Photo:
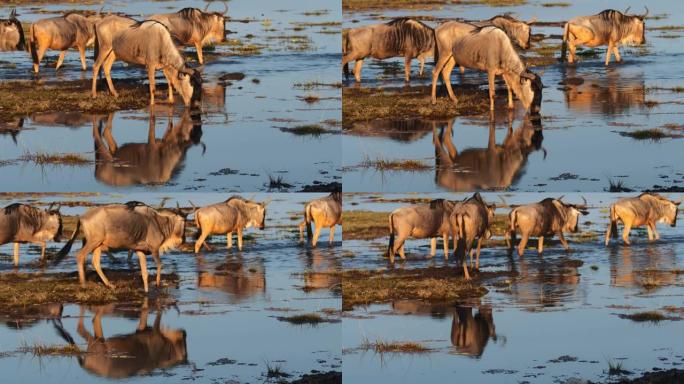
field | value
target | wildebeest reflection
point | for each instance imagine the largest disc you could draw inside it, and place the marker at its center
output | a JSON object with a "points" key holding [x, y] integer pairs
{"points": [[494, 167], [544, 282], [398, 130], [470, 333], [649, 268], [72, 119], [12, 126], [241, 280], [154, 162], [321, 270], [33, 314], [613, 93]]}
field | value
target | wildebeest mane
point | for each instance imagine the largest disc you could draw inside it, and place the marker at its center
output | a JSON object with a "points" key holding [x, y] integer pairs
{"points": [[31, 217], [132, 204], [617, 21], [407, 32], [197, 17], [174, 37], [337, 196]]}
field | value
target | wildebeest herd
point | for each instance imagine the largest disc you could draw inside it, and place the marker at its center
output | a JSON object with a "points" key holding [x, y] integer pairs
{"points": [[152, 43], [146, 230], [488, 46], [469, 221]]}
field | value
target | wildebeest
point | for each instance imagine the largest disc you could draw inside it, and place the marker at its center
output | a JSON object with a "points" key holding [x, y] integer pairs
{"points": [[61, 33], [470, 334], [131, 226], [155, 162], [646, 209], [21, 223], [105, 32], [486, 49], [546, 218], [403, 36], [420, 221], [195, 27], [494, 167], [471, 220], [325, 212], [609, 27], [232, 215], [518, 31], [12, 34], [150, 43]]}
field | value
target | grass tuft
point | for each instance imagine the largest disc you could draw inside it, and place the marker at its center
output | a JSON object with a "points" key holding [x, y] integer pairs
{"points": [[380, 346], [647, 316], [40, 350], [42, 158]]}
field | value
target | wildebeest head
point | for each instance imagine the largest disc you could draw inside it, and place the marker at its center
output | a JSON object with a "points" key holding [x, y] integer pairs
{"points": [[216, 23], [53, 223], [490, 219], [635, 26], [189, 85], [12, 34], [570, 214], [531, 95], [668, 210], [259, 217], [518, 31]]}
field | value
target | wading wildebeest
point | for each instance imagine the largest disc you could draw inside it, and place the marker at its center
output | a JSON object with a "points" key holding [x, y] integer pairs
{"points": [[194, 27], [400, 37], [487, 49], [21, 223], [61, 33], [149, 43], [232, 215], [471, 220], [325, 212], [646, 209], [11, 34], [495, 167], [420, 221], [155, 162], [546, 218], [609, 27], [470, 334], [131, 226], [105, 32]]}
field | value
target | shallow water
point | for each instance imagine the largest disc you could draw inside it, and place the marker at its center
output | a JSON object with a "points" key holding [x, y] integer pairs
{"points": [[240, 143], [580, 146], [561, 304], [226, 302]]}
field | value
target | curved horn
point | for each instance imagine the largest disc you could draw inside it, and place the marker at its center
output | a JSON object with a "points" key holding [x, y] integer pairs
{"points": [[544, 150], [679, 201], [204, 148], [225, 7], [50, 206], [207, 6], [13, 14], [163, 202], [627, 10], [267, 201], [503, 200], [100, 11], [177, 205], [645, 14], [534, 19], [193, 205], [560, 198], [585, 204]]}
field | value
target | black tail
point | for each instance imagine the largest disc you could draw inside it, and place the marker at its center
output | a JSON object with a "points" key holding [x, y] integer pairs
{"points": [[390, 247], [96, 49], [564, 46], [32, 46], [67, 247], [307, 219], [345, 48]]}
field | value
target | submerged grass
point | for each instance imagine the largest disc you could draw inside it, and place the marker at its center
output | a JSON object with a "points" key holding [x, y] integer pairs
{"points": [[653, 134], [382, 164], [381, 346], [307, 129], [647, 316], [41, 350], [360, 5], [42, 158]]}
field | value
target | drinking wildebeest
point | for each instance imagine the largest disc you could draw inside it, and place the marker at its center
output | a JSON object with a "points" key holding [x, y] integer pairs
{"points": [[487, 49], [546, 218], [400, 37], [195, 27], [155, 162], [105, 32], [471, 220], [12, 33], [21, 223], [646, 209], [495, 167], [610, 27], [131, 226], [150, 43], [232, 215], [420, 222], [470, 334], [61, 33], [324, 212]]}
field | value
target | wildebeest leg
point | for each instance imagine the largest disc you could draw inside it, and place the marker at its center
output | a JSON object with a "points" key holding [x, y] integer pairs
{"points": [[239, 237], [16, 254], [198, 47], [421, 59], [433, 246], [563, 241], [445, 241], [301, 231], [439, 65], [157, 262], [466, 275], [81, 51], [229, 240], [42, 251], [571, 49], [399, 244], [97, 252], [446, 77], [655, 231], [150, 77], [168, 81], [143, 268], [491, 76], [81, 259], [540, 245], [477, 259], [107, 66], [407, 68], [510, 93], [357, 70], [60, 59], [332, 234], [39, 55], [617, 53], [524, 237], [650, 233], [200, 240], [317, 232], [625, 232], [609, 52], [96, 71]]}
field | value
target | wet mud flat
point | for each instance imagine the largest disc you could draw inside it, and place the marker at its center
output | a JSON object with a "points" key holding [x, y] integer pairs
{"points": [[593, 314], [592, 116], [274, 64], [268, 313]]}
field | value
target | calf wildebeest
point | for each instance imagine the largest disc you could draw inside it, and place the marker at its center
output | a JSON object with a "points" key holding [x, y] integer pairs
{"points": [[105, 32], [12, 34], [61, 33], [420, 221], [546, 218], [150, 43], [610, 27], [232, 215], [495, 167], [131, 226], [470, 334], [399, 37], [471, 220], [486, 49], [646, 209], [195, 27], [325, 212], [155, 162], [21, 223]]}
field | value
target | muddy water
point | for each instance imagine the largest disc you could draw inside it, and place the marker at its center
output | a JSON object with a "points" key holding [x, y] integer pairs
{"points": [[581, 142], [239, 142], [224, 323], [554, 319]]}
